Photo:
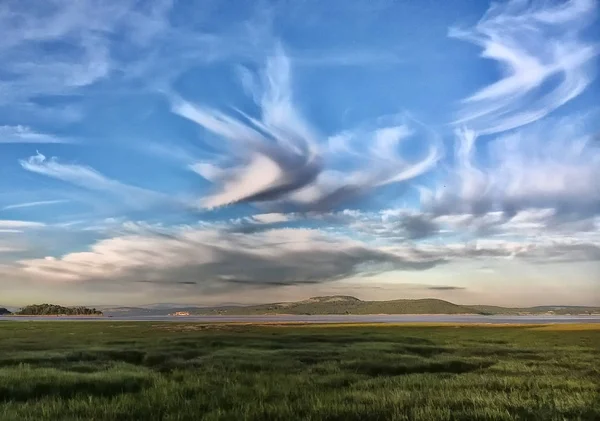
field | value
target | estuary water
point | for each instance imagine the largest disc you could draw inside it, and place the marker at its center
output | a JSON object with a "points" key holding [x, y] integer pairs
{"points": [[400, 318]]}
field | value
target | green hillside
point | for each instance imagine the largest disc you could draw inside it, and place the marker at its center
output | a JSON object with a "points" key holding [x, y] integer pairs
{"points": [[344, 305], [554, 310]]}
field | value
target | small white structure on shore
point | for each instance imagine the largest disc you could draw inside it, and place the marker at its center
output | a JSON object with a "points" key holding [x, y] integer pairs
{"points": [[180, 313]]}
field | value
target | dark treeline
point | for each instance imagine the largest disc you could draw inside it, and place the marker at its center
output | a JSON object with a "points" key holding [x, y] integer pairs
{"points": [[53, 309]]}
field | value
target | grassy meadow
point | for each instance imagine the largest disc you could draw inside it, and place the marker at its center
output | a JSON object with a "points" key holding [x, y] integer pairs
{"points": [[186, 371]]}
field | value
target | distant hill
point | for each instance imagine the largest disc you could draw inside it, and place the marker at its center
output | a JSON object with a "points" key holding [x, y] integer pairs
{"points": [[538, 310], [4, 311], [340, 304], [344, 305], [56, 310]]}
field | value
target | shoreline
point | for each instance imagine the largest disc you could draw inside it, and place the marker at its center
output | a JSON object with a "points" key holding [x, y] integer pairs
{"points": [[379, 319], [54, 315], [387, 315], [307, 316]]}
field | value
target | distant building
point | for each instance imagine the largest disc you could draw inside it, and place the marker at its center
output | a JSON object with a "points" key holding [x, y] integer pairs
{"points": [[180, 313]]}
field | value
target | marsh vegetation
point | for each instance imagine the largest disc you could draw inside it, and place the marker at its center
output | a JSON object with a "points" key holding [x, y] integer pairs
{"points": [[184, 371]]}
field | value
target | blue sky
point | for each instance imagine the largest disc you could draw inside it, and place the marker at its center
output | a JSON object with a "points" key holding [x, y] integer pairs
{"points": [[212, 151]]}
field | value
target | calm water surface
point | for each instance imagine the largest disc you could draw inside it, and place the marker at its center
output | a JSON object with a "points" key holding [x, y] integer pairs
{"points": [[330, 319]]}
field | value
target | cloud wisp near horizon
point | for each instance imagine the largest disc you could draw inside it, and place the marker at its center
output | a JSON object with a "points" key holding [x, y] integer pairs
{"points": [[176, 151]]}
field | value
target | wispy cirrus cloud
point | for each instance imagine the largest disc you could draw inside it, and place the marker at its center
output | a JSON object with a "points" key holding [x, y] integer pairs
{"points": [[9, 225], [90, 179], [368, 157], [24, 134], [274, 156], [65, 46], [279, 158], [544, 55], [553, 164], [34, 204]]}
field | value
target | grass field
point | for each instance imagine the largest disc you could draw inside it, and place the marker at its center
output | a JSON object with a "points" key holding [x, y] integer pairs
{"points": [[182, 371]]}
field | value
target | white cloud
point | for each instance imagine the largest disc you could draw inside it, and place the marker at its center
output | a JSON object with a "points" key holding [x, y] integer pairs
{"points": [[549, 165], [213, 261], [270, 218], [544, 57], [392, 225], [274, 156], [23, 134], [13, 224], [33, 204], [220, 260], [83, 51], [8, 249], [539, 251], [90, 179], [528, 228], [150, 48], [277, 159], [72, 173]]}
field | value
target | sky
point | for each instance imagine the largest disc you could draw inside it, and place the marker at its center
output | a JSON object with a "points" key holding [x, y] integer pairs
{"points": [[209, 152]]}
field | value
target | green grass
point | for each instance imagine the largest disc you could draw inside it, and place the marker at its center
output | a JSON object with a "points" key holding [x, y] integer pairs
{"points": [[182, 371]]}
